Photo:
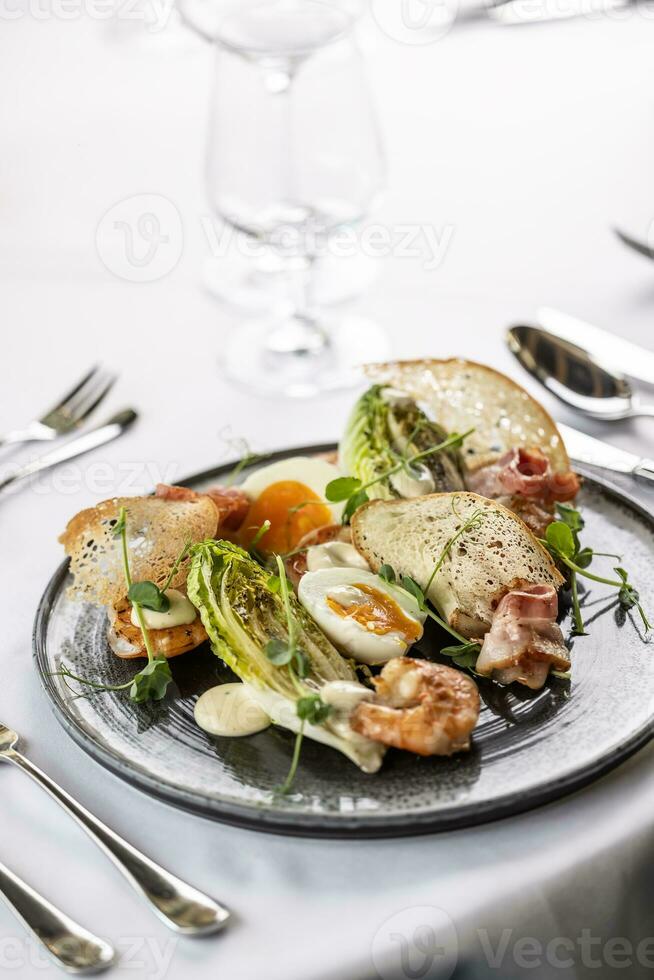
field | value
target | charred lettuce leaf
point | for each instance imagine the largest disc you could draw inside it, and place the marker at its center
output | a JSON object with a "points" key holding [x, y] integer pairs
{"points": [[244, 615], [387, 427]]}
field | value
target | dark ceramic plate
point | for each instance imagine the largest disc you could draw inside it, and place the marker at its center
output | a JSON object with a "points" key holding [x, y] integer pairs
{"points": [[528, 748]]}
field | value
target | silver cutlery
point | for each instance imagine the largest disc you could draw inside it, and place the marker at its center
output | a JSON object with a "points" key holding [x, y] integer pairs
{"points": [[179, 905], [69, 944], [69, 412], [636, 244], [517, 12], [573, 376], [624, 356], [111, 429], [586, 449]]}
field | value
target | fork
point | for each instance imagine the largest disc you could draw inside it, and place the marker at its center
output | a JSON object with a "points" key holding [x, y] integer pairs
{"points": [[69, 412], [70, 945], [182, 907]]}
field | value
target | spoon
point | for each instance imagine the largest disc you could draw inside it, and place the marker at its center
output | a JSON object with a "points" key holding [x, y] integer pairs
{"points": [[643, 248], [573, 376]]}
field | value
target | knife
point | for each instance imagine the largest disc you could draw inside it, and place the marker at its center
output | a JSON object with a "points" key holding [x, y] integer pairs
{"points": [[99, 436], [586, 449], [604, 347], [514, 12]]}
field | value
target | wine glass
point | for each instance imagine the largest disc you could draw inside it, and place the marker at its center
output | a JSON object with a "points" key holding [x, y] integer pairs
{"points": [[294, 157]]}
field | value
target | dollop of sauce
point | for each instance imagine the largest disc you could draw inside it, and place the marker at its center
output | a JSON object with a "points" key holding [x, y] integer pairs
{"points": [[334, 554], [343, 697], [230, 710], [416, 485], [181, 612], [374, 610]]}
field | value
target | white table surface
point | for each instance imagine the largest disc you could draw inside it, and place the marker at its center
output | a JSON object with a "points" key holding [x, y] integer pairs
{"points": [[529, 143]]}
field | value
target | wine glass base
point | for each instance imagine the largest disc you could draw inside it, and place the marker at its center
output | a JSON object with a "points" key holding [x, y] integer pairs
{"points": [[253, 360], [259, 287]]}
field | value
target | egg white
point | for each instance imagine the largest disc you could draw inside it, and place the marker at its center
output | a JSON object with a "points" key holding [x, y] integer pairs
{"points": [[345, 633], [312, 473]]}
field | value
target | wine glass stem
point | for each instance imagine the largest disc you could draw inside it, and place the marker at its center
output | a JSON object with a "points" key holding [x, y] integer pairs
{"points": [[299, 334]]}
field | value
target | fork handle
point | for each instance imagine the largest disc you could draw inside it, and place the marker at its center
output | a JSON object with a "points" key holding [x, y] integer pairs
{"points": [[74, 948], [182, 907]]}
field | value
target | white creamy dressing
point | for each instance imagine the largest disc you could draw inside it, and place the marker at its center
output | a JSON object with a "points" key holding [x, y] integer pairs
{"points": [[334, 554], [343, 697], [413, 486], [181, 612], [230, 710], [335, 730]]}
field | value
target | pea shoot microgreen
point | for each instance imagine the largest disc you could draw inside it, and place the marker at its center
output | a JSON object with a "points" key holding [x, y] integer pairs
{"points": [[562, 541], [247, 456], [309, 707], [354, 493]]}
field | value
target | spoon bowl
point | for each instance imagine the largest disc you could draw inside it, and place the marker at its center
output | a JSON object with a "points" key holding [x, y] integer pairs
{"points": [[573, 376]]}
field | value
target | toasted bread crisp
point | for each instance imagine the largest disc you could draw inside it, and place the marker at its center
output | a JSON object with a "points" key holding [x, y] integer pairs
{"points": [[157, 531], [462, 395], [482, 565]]}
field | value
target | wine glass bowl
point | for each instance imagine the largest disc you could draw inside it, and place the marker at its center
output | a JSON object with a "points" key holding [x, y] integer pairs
{"points": [[294, 158]]}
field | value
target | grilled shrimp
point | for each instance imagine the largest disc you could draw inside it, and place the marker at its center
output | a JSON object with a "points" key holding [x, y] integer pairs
{"points": [[126, 640], [421, 707]]}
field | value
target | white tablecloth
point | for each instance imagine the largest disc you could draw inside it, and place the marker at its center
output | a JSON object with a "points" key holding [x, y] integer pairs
{"points": [[527, 144]]}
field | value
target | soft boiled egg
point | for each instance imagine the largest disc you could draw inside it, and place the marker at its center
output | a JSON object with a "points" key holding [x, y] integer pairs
{"points": [[290, 495], [361, 614]]}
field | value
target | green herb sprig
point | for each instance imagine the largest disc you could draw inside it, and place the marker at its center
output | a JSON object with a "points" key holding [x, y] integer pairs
{"points": [[309, 707], [562, 541], [354, 493], [147, 594]]}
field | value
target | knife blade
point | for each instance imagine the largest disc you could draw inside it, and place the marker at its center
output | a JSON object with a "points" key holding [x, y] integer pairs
{"points": [[515, 12], [84, 443], [604, 347], [586, 449]]}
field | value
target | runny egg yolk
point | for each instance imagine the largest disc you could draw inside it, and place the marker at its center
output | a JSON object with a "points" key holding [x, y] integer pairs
{"points": [[292, 509], [378, 613]]}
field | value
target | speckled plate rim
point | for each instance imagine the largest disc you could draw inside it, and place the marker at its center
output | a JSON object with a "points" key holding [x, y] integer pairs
{"points": [[264, 818]]}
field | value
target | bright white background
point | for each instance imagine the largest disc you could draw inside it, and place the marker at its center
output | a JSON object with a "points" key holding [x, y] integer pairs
{"points": [[528, 143]]}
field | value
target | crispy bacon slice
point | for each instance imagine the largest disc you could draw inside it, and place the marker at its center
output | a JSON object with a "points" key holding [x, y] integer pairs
{"points": [[524, 473], [231, 502], [524, 640]]}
